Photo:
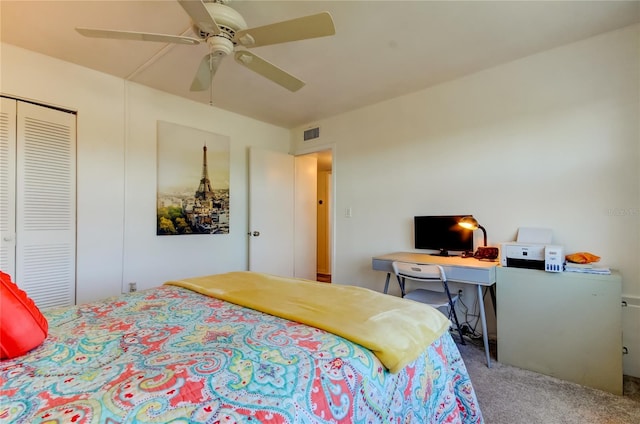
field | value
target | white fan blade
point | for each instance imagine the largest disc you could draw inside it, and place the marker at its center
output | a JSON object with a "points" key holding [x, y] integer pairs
{"points": [[138, 36], [312, 26], [268, 70], [208, 67], [200, 16]]}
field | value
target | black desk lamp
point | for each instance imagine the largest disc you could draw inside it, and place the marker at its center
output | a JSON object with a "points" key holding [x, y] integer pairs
{"points": [[489, 253], [470, 223]]}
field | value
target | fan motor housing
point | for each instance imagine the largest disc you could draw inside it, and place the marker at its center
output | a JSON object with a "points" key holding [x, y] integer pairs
{"points": [[228, 20], [220, 45]]}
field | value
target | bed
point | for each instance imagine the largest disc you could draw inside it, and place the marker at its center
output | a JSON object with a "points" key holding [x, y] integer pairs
{"points": [[213, 350]]}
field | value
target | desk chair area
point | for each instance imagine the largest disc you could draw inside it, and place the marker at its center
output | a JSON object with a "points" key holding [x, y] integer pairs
{"points": [[458, 270]]}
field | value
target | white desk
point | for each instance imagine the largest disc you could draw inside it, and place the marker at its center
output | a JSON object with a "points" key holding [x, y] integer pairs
{"points": [[457, 269]]}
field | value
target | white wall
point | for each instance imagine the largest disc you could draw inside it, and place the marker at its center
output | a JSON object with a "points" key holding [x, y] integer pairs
{"points": [[98, 99], [550, 140], [150, 260], [116, 197]]}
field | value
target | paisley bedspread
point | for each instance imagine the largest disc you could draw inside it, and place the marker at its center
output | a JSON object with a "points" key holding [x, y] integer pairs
{"points": [[172, 355]]}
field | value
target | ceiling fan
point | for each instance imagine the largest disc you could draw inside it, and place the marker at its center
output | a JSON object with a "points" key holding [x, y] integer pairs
{"points": [[224, 29]]}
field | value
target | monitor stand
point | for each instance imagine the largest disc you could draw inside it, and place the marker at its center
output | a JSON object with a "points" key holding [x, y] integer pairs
{"points": [[443, 252]]}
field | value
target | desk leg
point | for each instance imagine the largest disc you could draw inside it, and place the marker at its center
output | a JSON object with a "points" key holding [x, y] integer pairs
{"points": [[483, 319], [492, 291], [386, 283]]}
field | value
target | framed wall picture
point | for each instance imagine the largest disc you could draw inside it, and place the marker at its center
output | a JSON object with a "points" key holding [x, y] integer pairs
{"points": [[193, 181]]}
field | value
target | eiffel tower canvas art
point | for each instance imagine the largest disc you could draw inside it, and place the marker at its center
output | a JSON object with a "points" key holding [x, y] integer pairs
{"points": [[193, 181]]}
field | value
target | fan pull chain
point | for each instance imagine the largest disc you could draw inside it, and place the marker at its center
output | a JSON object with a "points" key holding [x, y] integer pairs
{"points": [[211, 77]]}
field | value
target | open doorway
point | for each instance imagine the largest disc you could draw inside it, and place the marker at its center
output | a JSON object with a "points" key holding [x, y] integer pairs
{"points": [[324, 205]]}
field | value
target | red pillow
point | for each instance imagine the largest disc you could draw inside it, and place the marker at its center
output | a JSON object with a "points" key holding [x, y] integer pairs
{"points": [[22, 325]]}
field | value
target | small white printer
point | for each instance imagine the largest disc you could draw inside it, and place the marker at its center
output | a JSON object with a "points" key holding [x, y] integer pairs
{"points": [[533, 250]]}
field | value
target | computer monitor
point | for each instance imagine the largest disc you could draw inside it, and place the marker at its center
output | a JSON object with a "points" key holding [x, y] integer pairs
{"points": [[443, 234]]}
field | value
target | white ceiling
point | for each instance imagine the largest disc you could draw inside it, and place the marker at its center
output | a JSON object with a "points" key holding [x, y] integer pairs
{"points": [[381, 50]]}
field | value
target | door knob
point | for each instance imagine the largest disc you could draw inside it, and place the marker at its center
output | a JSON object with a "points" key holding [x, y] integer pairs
{"points": [[256, 233]]}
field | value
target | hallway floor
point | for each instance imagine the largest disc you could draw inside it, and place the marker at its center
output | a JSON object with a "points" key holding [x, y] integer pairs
{"points": [[323, 278]]}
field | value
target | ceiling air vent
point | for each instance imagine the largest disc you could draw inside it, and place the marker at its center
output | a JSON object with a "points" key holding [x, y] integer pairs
{"points": [[311, 133]]}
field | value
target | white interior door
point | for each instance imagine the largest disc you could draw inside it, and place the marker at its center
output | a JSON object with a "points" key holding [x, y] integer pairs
{"points": [[282, 214], [271, 212], [46, 204]]}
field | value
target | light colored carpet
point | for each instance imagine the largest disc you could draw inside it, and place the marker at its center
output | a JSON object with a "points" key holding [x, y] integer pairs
{"points": [[510, 395]]}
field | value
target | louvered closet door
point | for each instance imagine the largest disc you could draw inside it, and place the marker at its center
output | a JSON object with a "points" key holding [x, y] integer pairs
{"points": [[8, 186], [46, 204]]}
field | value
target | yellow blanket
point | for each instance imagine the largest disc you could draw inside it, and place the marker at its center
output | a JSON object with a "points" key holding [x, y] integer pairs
{"points": [[394, 329]]}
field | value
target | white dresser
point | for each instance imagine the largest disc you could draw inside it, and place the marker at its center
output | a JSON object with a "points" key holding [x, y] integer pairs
{"points": [[566, 325]]}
